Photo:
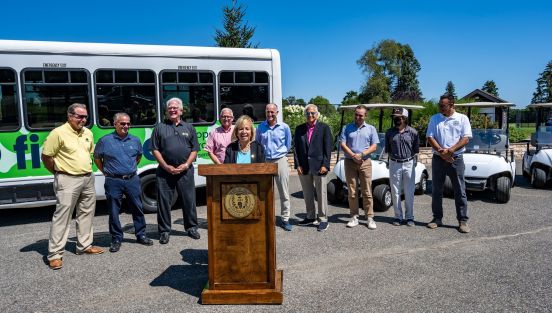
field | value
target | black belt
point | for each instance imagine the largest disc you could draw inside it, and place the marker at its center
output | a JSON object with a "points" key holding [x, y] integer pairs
{"points": [[75, 175], [124, 177], [402, 160]]}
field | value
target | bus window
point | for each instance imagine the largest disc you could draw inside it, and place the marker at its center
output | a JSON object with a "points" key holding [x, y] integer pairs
{"points": [[48, 92], [245, 93], [8, 103], [195, 89], [129, 91]]}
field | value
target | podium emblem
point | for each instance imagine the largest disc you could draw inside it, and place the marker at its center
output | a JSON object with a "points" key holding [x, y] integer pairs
{"points": [[239, 202]]}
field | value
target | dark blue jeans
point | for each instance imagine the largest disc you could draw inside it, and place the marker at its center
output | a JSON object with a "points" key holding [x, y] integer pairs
{"points": [[455, 171], [184, 184], [114, 190]]}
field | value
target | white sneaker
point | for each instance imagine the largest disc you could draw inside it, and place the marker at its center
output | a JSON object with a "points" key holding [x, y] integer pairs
{"points": [[353, 222], [371, 223]]}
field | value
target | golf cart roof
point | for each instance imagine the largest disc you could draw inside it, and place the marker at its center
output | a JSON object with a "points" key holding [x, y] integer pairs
{"points": [[485, 104], [540, 105], [381, 106]]}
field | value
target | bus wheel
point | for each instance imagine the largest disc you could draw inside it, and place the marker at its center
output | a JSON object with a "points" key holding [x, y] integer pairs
{"points": [[149, 193]]}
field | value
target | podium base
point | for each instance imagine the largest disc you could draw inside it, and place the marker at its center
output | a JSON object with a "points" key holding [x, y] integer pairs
{"points": [[248, 296]]}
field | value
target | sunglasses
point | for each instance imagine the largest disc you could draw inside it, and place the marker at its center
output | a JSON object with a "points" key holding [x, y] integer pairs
{"points": [[124, 124], [80, 116], [310, 113]]}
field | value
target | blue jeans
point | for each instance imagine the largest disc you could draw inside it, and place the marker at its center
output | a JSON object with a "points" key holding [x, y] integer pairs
{"points": [[114, 190], [455, 171]]}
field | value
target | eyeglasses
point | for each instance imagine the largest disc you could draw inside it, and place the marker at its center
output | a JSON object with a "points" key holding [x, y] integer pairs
{"points": [[80, 116], [124, 124], [227, 117], [173, 108], [310, 113]]}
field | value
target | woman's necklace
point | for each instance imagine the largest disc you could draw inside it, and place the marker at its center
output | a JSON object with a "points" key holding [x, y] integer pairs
{"points": [[246, 149]]}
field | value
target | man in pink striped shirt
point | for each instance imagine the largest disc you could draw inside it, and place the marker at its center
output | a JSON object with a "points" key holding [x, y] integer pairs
{"points": [[220, 137]]}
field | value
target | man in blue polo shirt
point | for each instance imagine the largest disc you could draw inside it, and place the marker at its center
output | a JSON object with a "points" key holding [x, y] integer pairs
{"points": [[358, 141], [275, 137], [447, 133], [116, 156]]}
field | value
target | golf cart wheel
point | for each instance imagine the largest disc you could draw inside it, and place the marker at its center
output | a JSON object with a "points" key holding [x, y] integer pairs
{"points": [[503, 187], [538, 177], [525, 174], [421, 188], [382, 198], [448, 190], [335, 191]]}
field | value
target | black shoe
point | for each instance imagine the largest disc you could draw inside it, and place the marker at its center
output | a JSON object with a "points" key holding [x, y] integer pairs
{"points": [[164, 238], [115, 246], [192, 232], [306, 222], [323, 226], [145, 241]]}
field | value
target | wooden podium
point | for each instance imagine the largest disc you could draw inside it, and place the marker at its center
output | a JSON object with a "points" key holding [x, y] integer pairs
{"points": [[242, 247]]}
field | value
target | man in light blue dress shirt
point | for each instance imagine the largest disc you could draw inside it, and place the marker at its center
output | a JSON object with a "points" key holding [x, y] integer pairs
{"points": [[275, 137], [358, 141]]}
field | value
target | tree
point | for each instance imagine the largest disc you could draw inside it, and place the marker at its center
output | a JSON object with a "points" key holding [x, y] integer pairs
{"points": [[291, 100], [450, 90], [543, 92], [351, 97], [490, 87], [236, 33], [392, 71], [323, 104]]}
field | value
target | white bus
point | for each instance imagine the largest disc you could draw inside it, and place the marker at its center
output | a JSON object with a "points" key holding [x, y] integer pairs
{"points": [[39, 80]]}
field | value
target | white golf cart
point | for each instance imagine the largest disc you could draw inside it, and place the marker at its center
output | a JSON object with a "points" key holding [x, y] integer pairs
{"points": [[489, 161], [537, 163], [381, 192]]}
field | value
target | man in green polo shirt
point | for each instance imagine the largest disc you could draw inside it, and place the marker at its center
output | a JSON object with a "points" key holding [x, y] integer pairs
{"points": [[67, 154]]}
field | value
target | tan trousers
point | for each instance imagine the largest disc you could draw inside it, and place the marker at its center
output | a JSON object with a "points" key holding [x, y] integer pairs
{"points": [[359, 172], [282, 183], [311, 184], [71, 192]]}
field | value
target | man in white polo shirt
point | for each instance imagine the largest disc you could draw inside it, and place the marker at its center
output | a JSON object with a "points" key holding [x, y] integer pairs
{"points": [[447, 133]]}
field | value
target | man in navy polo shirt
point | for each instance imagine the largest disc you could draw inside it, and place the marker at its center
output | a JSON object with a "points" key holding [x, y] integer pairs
{"points": [[116, 156]]}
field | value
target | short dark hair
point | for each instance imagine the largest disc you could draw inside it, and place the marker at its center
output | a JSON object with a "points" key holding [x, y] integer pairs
{"points": [[362, 106], [447, 96]]}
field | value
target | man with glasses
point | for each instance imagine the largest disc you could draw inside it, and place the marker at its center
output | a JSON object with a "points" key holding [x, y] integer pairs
{"points": [[67, 154], [358, 141], [447, 133], [275, 137], [174, 145], [220, 137], [313, 149], [117, 155]]}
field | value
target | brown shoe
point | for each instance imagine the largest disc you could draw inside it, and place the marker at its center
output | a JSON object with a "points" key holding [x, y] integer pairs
{"points": [[434, 223], [464, 228], [91, 250], [55, 264]]}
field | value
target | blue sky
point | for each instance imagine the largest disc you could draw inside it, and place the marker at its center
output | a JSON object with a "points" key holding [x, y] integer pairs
{"points": [[467, 42]]}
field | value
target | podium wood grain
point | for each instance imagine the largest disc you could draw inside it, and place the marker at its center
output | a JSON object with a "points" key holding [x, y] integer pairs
{"points": [[242, 251]]}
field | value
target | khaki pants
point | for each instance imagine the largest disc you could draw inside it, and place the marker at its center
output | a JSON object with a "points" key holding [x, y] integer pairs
{"points": [[282, 183], [71, 192], [359, 172], [310, 184]]}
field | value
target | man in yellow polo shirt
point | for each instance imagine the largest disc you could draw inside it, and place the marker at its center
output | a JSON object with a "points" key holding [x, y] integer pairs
{"points": [[67, 154]]}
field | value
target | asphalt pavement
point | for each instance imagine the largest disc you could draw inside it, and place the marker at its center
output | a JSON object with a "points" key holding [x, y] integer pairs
{"points": [[503, 264]]}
